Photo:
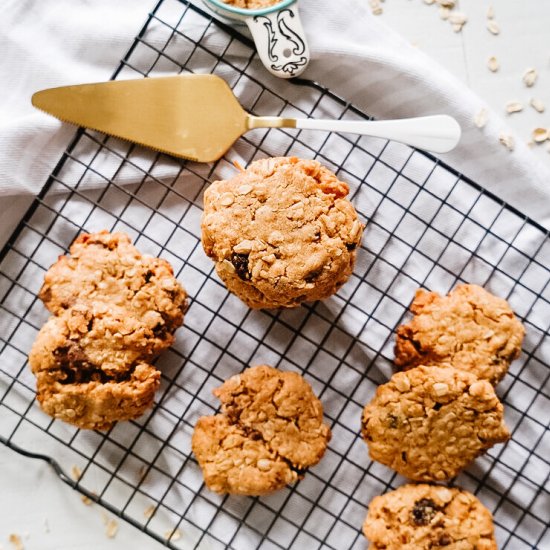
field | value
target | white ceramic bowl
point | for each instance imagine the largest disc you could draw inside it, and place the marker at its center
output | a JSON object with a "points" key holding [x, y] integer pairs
{"points": [[277, 32]]}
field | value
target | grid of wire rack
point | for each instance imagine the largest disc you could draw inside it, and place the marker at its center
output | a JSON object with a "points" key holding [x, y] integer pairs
{"points": [[427, 226]]}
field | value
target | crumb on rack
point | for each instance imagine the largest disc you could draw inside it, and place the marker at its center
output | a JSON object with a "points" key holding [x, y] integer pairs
{"points": [[111, 528], [149, 511], [238, 166], [172, 535], [16, 541]]}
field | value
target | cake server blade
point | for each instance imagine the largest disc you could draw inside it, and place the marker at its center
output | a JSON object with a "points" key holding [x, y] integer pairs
{"points": [[197, 116]]}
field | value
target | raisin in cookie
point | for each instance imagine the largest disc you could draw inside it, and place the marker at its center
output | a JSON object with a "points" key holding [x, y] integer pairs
{"points": [[429, 422], [92, 359], [424, 517], [281, 232], [469, 328], [270, 430]]}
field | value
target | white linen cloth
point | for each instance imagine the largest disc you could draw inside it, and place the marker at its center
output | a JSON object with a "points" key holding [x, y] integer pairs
{"points": [[57, 42]]}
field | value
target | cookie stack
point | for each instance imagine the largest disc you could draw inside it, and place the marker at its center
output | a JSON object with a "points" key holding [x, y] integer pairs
{"points": [[441, 412], [114, 310]]}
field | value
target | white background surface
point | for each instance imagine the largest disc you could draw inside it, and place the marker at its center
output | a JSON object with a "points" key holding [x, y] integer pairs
{"points": [[524, 42], [43, 510]]}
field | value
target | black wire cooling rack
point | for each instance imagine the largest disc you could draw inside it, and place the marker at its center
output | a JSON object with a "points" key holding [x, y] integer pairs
{"points": [[427, 226]]}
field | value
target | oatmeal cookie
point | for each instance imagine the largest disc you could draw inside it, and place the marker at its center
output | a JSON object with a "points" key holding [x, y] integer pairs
{"points": [[270, 431], [281, 232], [430, 422], [106, 267], [469, 328], [424, 517], [114, 311]]}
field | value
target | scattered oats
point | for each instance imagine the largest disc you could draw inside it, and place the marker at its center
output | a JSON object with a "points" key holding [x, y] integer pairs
{"points": [[429, 2], [492, 27], [16, 541], [444, 13], [76, 472], [514, 107], [458, 18], [111, 529], [104, 517], [493, 64], [530, 77], [537, 104], [375, 7], [540, 135], [507, 140], [86, 500], [490, 12], [447, 3], [480, 120], [149, 511], [457, 27], [172, 535]]}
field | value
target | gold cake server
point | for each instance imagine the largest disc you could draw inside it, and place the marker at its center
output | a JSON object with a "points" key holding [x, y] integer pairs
{"points": [[196, 116]]}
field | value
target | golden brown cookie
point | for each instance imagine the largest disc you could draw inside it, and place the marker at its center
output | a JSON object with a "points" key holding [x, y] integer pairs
{"points": [[430, 422], [115, 311], [106, 267], [427, 517], [281, 232], [469, 328], [270, 431]]}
